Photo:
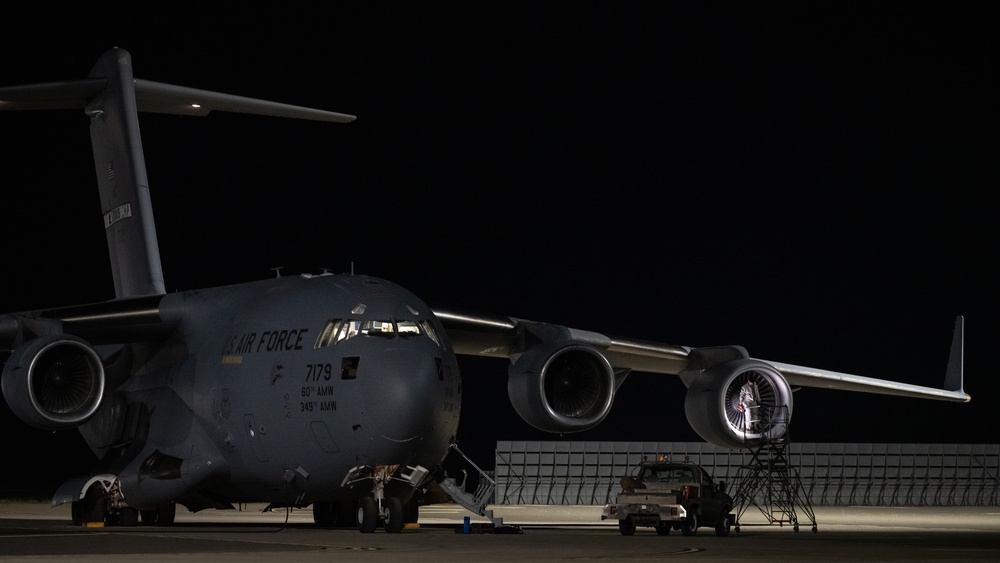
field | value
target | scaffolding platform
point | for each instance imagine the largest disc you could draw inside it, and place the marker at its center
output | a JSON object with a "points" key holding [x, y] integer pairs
{"points": [[770, 483]]}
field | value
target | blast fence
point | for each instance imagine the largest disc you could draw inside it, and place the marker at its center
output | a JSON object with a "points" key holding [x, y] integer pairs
{"points": [[588, 473]]}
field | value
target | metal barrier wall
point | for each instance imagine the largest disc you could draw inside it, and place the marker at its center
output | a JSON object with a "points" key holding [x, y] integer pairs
{"points": [[584, 473]]}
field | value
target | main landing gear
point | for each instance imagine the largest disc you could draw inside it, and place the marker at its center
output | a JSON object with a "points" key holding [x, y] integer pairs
{"points": [[103, 505]]}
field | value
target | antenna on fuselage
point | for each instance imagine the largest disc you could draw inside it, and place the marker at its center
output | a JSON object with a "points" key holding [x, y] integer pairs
{"points": [[277, 271]]}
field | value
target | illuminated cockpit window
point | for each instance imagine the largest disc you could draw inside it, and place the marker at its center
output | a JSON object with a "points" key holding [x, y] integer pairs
{"points": [[378, 328], [338, 330], [408, 328], [326, 336]]}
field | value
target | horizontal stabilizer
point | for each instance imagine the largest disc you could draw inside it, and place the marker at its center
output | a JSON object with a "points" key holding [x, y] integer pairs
{"points": [[70, 94], [112, 97], [155, 97], [166, 98]]}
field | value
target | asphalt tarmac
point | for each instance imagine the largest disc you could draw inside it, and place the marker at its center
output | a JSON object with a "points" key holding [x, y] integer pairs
{"points": [[35, 532]]}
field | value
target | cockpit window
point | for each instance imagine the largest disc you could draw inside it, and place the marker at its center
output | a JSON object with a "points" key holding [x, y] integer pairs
{"points": [[408, 328], [378, 328], [430, 332], [338, 330]]}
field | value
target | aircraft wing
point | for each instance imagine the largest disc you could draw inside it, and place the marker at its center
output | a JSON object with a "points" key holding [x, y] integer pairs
{"points": [[495, 336], [502, 337], [138, 319]]}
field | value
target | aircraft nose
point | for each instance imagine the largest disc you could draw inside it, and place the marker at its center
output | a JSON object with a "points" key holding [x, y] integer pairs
{"points": [[402, 392]]}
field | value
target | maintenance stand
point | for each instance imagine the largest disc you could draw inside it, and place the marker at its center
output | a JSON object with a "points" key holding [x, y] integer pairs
{"points": [[772, 485]]}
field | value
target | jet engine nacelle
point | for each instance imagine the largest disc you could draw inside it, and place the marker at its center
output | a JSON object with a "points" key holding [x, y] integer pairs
{"points": [[561, 387], [54, 382], [738, 401]]}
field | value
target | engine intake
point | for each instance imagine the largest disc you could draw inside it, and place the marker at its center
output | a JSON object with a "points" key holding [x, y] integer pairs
{"points": [[561, 387], [739, 401], [54, 382]]}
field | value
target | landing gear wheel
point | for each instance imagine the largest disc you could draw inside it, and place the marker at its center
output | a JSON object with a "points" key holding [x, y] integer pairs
{"points": [[626, 526], [335, 514], [394, 518], [690, 526], [722, 526], [324, 515], [345, 513], [367, 515], [128, 517], [93, 507], [77, 512], [663, 529], [163, 516]]}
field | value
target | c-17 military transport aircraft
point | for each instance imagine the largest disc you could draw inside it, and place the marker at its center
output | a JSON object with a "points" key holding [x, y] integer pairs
{"points": [[337, 391]]}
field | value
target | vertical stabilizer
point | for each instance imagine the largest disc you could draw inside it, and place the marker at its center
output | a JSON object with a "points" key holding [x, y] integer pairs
{"points": [[111, 97], [121, 177]]}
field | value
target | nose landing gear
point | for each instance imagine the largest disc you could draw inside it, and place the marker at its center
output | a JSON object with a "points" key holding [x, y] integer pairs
{"points": [[387, 510], [379, 508]]}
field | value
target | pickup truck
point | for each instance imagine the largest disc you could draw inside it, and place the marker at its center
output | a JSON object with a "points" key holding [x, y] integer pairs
{"points": [[671, 496]]}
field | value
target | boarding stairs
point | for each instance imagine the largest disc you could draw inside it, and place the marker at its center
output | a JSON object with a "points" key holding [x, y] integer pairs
{"points": [[475, 501]]}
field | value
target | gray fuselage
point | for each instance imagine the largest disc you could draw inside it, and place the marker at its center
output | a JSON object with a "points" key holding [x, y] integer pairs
{"points": [[276, 389]]}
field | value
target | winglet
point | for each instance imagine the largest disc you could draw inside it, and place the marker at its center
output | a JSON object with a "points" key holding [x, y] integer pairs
{"points": [[953, 379]]}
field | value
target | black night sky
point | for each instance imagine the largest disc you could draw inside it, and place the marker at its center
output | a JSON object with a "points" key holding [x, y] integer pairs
{"points": [[813, 181]]}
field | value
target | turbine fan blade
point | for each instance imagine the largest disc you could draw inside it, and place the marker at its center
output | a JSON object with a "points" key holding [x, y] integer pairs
{"points": [[65, 382]]}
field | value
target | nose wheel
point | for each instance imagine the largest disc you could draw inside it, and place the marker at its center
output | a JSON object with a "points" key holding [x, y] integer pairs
{"points": [[367, 515], [389, 513], [379, 508], [393, 515]]}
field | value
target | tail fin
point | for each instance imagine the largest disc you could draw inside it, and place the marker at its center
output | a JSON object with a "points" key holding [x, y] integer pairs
{"points": [[111, 97], [121, 177]]}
